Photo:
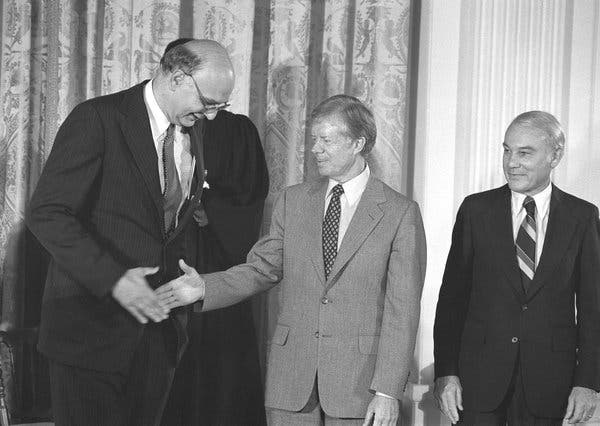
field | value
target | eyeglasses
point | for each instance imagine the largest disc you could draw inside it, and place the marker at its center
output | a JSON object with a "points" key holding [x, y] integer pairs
{"points": [[208, 106]]}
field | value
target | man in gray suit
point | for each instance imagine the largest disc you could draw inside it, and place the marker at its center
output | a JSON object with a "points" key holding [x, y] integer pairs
{"points": [[350, 255]]}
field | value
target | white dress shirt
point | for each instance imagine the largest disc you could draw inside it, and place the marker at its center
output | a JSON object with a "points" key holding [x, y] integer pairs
{"points": [[542, 209], [353, 190], [184, 160]]}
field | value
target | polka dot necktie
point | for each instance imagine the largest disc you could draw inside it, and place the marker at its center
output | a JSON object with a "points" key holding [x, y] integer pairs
{"points": [[331, 226], [172, 194], [526, 240]]}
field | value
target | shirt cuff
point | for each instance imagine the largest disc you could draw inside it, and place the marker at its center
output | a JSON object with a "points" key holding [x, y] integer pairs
{"points": [[384, 395]]}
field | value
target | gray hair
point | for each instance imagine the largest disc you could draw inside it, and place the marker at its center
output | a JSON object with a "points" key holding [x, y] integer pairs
{"points": [[358, 119], [190, 55], [544, 122], [177, 56]]}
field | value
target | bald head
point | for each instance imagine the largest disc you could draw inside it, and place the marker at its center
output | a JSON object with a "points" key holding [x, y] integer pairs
{"points": [[191, 55], [194, 81]]}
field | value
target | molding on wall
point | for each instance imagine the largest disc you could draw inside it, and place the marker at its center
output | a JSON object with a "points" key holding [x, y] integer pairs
{"points": [[512, 56]]}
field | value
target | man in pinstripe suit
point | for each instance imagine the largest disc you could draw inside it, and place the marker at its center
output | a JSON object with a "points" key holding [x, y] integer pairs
{"points": [[114, 207]]}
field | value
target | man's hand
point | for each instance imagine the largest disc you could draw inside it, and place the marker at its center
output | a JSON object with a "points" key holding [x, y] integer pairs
{"points": [[383, 410], [581, 406], [184, 290], [448, 394], [135, 295]]}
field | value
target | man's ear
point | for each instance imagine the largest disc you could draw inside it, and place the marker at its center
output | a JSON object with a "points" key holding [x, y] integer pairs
{"points": [[556, 157], [176, 79], [359, 144]]}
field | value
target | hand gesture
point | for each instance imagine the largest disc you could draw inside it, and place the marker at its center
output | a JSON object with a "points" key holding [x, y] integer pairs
{"points": [[182, 291], [581, 405], [448, 394], [383, 410], [135, 295]]}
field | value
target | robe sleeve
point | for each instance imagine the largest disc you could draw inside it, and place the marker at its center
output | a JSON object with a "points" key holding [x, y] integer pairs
{"points": [[238, 180]]}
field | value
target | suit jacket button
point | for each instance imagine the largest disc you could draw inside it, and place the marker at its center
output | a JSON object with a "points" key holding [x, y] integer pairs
{"points": [[514, 339], [317, 334], [524, 308], [325, 300]]}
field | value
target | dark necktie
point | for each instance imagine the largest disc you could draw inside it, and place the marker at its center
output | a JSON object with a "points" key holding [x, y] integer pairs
{"points": [[172, 193], [526, 241], [331, 227]]}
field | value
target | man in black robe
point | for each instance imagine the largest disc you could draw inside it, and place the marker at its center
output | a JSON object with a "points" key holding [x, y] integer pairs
{"points": [[218, 381]]}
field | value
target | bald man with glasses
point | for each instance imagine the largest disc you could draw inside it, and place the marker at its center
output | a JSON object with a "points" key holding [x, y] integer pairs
{"points": [[115, 207]]}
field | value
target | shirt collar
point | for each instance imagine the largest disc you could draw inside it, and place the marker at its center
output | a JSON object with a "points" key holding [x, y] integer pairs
{"points": [[542, 201], [353, 188], [158, 120]]}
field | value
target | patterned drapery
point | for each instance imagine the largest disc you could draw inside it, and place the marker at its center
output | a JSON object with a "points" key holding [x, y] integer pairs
{"points": [[288, 56]]}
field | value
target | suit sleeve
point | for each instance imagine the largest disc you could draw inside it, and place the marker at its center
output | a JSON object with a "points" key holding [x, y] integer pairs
{"points": [[453, 298], [587, 371], [402, 302], [57, 209], [263, 269]]}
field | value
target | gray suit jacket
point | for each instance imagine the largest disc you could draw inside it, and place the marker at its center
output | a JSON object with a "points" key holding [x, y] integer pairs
{"points": [[358, 328]]}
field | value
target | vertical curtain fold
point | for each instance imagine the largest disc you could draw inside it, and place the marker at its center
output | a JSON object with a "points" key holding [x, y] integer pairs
{"points": [[288, 56]]}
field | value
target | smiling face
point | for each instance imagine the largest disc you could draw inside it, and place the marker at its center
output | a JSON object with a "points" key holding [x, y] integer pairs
{"points": [[528, 159], [198, 95], [337, 154]]}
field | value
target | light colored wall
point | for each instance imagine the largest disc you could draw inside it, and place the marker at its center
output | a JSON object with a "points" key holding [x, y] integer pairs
{"points": [[481, 63]]}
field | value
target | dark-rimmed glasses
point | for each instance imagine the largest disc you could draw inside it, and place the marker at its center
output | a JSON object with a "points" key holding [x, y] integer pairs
{"points": [[208, 106]]}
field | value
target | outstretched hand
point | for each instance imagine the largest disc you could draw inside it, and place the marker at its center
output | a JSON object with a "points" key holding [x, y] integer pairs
{"points": [[134, 294], [181, 291]]}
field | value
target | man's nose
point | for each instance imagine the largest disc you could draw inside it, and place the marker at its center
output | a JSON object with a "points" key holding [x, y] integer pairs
{"points": [[513, 162], [210, 115], [316, 147]]}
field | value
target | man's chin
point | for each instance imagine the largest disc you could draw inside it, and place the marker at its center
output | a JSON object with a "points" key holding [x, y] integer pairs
{"points": [[322, 170], [517, 186], [190, 119]]}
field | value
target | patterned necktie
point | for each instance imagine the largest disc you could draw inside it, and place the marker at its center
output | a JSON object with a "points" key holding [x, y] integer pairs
{"points": [[331, 225], [526, 239], [172, 194]]}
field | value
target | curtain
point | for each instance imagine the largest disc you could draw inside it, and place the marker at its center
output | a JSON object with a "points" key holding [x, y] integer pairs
{"points": [[288, 56]]}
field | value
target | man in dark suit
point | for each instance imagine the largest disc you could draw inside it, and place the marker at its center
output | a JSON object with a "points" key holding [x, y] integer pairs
{"points": [[114, 207], [517, 328]]}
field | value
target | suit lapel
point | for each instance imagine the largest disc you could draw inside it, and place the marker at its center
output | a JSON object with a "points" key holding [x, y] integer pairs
{"points": [[314, 225], [135, 125], [500, 231], [367, 216], [560, 230]]}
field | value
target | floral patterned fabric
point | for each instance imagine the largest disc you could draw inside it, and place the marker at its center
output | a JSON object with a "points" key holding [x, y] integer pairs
{"points": [[288, 56]]}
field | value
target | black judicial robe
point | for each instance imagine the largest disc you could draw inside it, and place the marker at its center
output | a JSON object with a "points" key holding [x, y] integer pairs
{"points": [[218, 381]]}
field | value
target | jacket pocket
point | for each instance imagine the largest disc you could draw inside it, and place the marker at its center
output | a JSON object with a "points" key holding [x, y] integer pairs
{"points": [[280, 335], [368, 343]]}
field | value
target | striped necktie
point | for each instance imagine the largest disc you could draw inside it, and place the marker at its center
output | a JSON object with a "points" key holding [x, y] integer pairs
{"points": [[331, 227], [526, 240], [173, 193]]}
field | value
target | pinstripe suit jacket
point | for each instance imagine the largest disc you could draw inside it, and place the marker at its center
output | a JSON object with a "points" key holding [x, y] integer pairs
{"points": [[98, 211], [357, 329]]}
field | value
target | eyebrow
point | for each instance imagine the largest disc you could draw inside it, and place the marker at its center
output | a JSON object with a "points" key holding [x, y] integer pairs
{"points": [[519, 148]]}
